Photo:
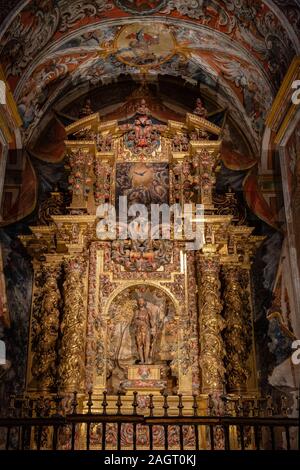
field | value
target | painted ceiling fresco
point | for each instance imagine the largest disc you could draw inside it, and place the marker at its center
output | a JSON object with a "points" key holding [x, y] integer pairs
{"points": [[243, 48]]}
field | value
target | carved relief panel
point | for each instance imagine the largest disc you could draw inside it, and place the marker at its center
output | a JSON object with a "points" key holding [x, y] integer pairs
{"points": [[167, 333]]}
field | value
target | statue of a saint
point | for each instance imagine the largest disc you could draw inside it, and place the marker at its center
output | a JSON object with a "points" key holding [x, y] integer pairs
{"points": [[143, 109], [200, 110], [142, 125], [86, 109], [144, 331]]}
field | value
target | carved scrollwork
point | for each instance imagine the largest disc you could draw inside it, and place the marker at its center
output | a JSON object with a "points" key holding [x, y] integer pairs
{"points": [[141, 255], [72, 348], [211, 325], [45, 328], [237, 334]]}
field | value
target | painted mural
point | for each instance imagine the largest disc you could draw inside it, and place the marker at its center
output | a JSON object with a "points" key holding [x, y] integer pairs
{"points": [[145, 45], [251, 36], [18, 277], [20, 187], [291, 11], [141, 7], [17, 271]]}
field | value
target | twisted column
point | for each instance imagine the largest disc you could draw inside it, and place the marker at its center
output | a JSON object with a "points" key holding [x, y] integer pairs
{"points": [[72, 348], [45, 329], [236, 333], [211, 324]]}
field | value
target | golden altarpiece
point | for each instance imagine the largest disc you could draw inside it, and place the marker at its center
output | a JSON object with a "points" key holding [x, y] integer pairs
{"points": [[89, 290]]}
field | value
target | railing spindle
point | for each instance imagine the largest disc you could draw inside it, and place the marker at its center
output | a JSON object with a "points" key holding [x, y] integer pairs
{"points": [[272, 437], [241, 428], [211, 437], [7, 437], [210, 407], [24, 413], [180, 408], [88, 424], [288, 438], [257, 437], [166, 407], [74, 405], [134, 405], [54, 437], [104, 406], [195, 413], [119, 424], [226, 435], [151, 408], [90, 403]]}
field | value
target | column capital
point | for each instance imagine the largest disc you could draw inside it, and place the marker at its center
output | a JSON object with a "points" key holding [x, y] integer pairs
{"points": [[75, 264], [209, 262]]}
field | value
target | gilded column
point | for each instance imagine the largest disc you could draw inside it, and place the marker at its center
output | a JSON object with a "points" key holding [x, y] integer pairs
{"points": [[72, 348], [236, 333], [45, 329], [211, 324]]}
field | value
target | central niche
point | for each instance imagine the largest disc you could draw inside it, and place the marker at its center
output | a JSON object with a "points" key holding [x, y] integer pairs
{"points": [[142, 329]]}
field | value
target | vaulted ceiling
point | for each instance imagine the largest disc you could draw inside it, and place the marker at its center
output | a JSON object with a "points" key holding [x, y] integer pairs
{"points": [[236, 51]]}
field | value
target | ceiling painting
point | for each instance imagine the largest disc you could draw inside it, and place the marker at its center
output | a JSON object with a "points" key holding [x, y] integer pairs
{"points": [[247, 48], [141, 7], [99, 56], [36, 28], [144, 45]]}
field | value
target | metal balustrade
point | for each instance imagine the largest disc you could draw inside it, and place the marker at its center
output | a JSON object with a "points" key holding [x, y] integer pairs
{"points": [[57, 424]]}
